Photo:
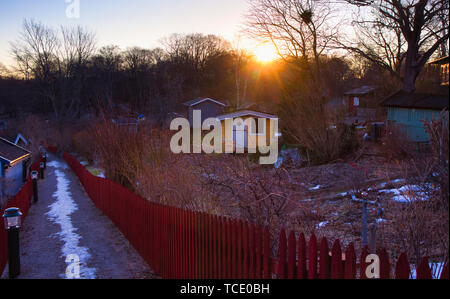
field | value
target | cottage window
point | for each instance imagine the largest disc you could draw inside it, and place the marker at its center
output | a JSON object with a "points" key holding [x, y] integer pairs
{"points": [[355, 101]]}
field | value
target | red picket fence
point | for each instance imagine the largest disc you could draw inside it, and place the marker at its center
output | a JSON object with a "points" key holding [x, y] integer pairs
{"points": [[22, 201], [184, 244]]}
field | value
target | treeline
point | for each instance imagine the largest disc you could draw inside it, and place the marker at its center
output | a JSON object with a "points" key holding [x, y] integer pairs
{"points": [[61, 71]]}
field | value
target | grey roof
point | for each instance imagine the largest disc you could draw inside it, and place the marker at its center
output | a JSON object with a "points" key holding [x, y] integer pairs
{"points": [[363, 90], [201, 100], [12, 153], [246, 113], [405, 99]]}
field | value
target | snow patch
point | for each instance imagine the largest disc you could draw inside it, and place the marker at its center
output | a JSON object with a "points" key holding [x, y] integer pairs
{"points": [[57, 164], [322, 224], [59, 213], [407, 193], [315, 188]]}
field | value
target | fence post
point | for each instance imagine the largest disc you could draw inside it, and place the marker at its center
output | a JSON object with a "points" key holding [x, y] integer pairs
{"points": [[362, 263], [239, 249], [234, 240], [292, 255], [251, 271], [229, 250], [245, 246], [301, 264], [282, 258], [324, 261], [423, 270], [267, 254], [223, 251], [312, 257], [444, 274], [385, 265], [402, 269], [350, 262], [259, 253], [336, 261]]}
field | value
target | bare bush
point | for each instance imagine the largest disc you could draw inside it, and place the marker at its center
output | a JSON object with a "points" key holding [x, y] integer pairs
{"points": [[323, 136], [140, 159], [419, 223], [396, 144]]}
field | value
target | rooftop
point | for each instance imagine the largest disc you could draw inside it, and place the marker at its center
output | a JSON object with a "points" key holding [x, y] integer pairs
{"points": [[201, 100], [441, 60], [405, 99], [246, 113], [363, 90], [12, 153]]}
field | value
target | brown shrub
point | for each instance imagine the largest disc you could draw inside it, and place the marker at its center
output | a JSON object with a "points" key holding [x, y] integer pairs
{"points": [[321, 135], [140, 159]]}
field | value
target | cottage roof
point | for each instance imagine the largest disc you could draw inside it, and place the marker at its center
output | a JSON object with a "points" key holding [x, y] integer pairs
{"points": [[246, 113], [360, 91], [442, 60], [12, 153], [201, 100], [405, 99]]}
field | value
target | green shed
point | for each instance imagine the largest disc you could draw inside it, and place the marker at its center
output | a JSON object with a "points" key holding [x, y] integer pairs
{"points": [[410, 110]]}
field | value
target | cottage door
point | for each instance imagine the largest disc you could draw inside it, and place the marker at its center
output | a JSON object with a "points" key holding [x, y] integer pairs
{"points": [[239, 136]]}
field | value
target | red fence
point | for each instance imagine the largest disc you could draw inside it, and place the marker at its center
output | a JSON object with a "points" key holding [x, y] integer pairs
{"points": [[183, 244], [22, 201]]}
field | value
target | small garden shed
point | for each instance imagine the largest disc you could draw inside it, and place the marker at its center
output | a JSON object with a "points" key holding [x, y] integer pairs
{"points": [[13, 166], [410, 110]]}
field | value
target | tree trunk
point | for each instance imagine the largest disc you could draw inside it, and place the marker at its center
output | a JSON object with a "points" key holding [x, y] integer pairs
{"points": [[409, 80], [412, 68]]}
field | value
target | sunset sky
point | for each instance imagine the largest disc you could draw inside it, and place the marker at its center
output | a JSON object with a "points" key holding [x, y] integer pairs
{"points": [[126, 23]]}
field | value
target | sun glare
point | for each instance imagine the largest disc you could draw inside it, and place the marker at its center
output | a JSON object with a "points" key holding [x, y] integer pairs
{"points": [[266, 53]]}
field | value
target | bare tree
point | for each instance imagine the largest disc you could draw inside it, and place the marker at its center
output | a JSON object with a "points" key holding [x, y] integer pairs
{"points": [[400, 36], [194, 49], [4, 72], [53, 59], [297, 28]]}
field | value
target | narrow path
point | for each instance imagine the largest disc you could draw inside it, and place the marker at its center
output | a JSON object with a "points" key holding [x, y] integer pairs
{"points": [[64, 225]]}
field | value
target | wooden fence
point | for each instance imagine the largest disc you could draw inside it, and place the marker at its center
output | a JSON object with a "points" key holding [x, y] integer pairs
{"points": [[22, 201], [184, 244]]}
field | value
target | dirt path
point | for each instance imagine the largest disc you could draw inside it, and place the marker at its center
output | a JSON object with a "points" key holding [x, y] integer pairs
{"points": [[64, 225]]}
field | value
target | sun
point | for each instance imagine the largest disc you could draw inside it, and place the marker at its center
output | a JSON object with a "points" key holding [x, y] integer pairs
{"points": [[266, 53]]}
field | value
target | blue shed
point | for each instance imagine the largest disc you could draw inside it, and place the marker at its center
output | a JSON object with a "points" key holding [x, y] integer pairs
{"points": [[13, 167], [210, 108], [410, 110]]}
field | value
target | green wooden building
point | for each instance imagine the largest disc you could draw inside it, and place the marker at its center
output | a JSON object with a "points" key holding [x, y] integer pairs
{"points": [[409, 111]]}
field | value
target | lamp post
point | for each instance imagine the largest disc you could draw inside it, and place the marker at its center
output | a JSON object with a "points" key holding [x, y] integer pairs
{"points": [[34, 177], [42, 170], [12, 218], [44, 159], [364, 219]]}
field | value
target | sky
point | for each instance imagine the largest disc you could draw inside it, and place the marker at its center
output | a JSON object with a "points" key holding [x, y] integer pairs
{"points": [[125, 23]]}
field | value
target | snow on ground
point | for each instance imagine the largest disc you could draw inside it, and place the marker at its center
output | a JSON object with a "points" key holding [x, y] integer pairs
{"points": [[322, 224], [60, 212], [315, 188], [406, 193], [57, 164]]}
